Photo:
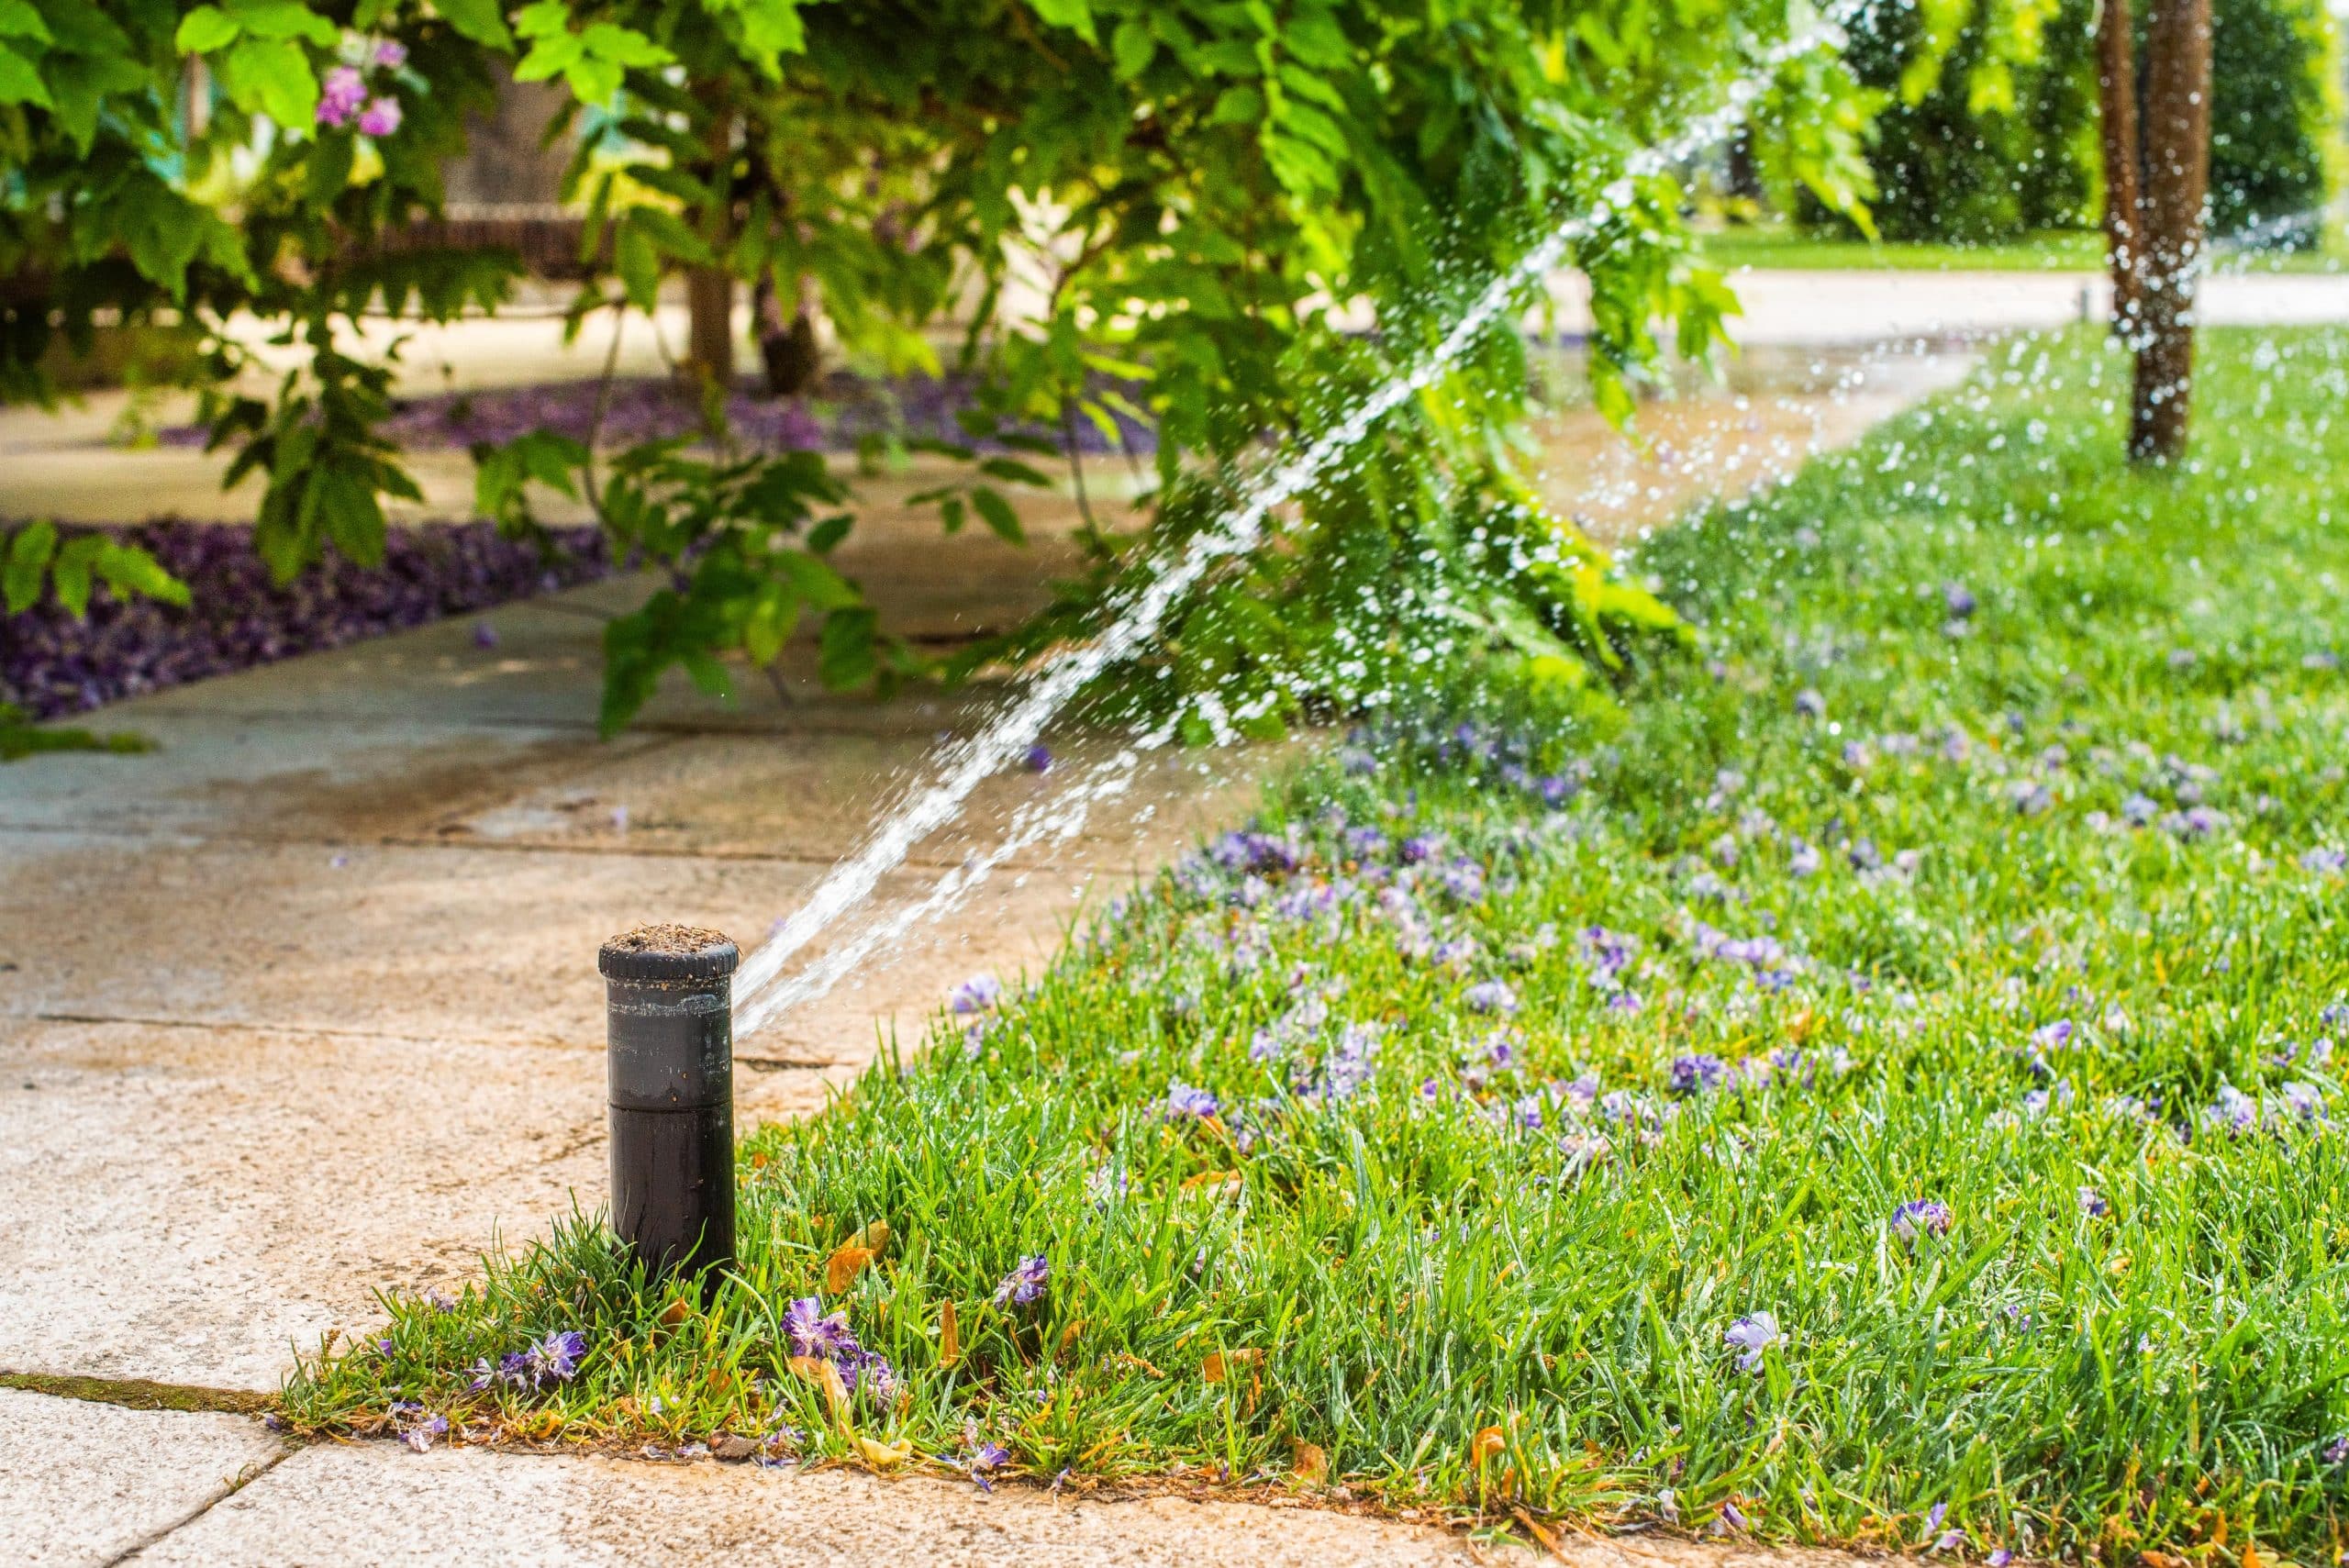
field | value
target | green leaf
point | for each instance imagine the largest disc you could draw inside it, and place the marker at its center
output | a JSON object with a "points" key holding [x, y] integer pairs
{"points": [[71, 575], [826, 536], [1074, 15], [329, 169], [283, 19], [638, 265], [205, 29], [478, 20], [844, 651], [1131, 48], [545, 18], [272, 77], [997, 513], [19, 82], [128, 570], [19, 20], [27, 565], [1011, 471]]}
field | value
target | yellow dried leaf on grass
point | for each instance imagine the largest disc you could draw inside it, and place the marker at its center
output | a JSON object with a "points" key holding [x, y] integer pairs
{"points": [[826, 1376], [1310, 1461], [881, 1455], [949, 1336], [844, 1265], [1488, 1442]]}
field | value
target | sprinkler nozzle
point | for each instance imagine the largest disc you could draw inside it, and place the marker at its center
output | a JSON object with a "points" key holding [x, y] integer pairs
{"points": [[669, 992]]}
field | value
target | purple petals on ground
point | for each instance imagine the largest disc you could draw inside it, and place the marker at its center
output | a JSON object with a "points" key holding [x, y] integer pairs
{"points": [[416, 1427], [1491, 996], [51, 664], [1182, 1100], [1919, 1219], [1697, 1075], [975, 995], [1025, 1285], [1751, 1335], [813, 1332]]}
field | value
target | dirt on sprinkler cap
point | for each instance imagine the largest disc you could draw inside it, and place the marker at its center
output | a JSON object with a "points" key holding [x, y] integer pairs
{"points": [[668, 939], [669, 954]]}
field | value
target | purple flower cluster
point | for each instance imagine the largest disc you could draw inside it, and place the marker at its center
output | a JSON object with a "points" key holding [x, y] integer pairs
{"points": [[416, 1427], [1025, 1285], [51, 664], [554, 1359], [345, 95], [1925, 1217], [825, 1336]]}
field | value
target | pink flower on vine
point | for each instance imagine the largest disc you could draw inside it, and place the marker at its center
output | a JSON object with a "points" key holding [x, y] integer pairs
{"points": [[381, 118], [343, 94]]}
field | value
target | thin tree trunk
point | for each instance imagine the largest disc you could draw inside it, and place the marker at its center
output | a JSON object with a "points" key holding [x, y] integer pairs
{"points": [[2177, 181], [2116, 85], [709, 291], [787, 348]]}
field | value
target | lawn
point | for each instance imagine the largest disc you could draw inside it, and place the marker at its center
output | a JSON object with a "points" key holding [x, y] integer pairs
{"points": [[1777, 247], [1876, 1092]]}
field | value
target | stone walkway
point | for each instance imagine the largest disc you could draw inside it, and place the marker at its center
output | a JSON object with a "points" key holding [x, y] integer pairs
{"points": [[302, 1006]]}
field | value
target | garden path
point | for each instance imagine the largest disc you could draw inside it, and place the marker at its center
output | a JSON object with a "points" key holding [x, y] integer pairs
{"points": [[301, 1006]]}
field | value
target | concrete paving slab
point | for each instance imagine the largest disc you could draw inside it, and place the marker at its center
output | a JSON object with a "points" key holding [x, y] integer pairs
{"points": [[747, 796], [376, 1503], [83, 1483]]}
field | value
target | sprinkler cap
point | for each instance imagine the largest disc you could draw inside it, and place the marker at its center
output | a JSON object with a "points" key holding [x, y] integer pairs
{"points": [[668, 955]]}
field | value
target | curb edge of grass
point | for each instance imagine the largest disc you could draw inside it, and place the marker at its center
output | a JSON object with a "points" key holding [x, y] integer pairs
{"points": [[142, 1393]]}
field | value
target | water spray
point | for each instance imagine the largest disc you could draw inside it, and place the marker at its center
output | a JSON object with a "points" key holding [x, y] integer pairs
{"points": [[962, 765]]}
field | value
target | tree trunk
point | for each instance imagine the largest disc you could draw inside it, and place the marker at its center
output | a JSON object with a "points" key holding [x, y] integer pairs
{"points": [[709, 291], [709, 337], [2116, 85], [2177, 184], [787, 349]]}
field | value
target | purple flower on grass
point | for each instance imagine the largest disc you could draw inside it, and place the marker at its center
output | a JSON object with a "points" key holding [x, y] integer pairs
{"points": [[1958, 601], [975, 995], [1809, 703], [1697, 1075], [381, 118], [1729, 1519], [2053, 1037], [1036, 758], [988, 1456], [1419, 848], [2234, 1112], [485, 635], [1026, 1285], [340, 96], [2000, 1558], [2093, 1204], [2337, 1450], [2323, 861], [1182, 1100], [415, 1426], [1804, 859], [391, 54], [1752, 1335], [1922, 1217], [813, 1332], [1491, 996]]}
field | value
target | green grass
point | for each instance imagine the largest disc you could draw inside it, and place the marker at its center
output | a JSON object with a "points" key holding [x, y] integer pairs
{"points": [[1467, 1314], [1777, 247]]}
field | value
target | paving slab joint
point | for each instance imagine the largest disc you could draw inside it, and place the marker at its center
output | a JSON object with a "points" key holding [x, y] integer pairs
{"points": [[229, 1488]]}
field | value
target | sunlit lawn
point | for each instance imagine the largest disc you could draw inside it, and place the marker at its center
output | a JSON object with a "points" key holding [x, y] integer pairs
{"points": [[1775, 247], [1877, 1093]]}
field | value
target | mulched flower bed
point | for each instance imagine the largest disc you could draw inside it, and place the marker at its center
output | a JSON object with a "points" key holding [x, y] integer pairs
{"points": [[51, 664], [846, 413]]}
